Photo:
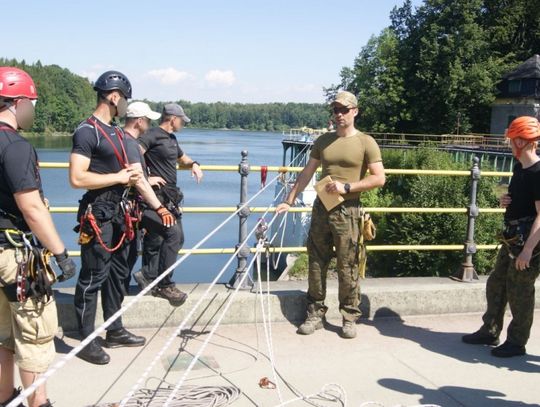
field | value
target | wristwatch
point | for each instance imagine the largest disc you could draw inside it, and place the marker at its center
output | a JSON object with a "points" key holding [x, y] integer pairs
{"points": [[347, 187]]}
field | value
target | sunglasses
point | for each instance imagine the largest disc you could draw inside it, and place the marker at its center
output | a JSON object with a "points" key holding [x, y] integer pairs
{"points": [[341, 109]]}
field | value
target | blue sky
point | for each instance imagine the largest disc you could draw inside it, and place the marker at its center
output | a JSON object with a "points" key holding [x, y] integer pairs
{"points": [[202, 51]]}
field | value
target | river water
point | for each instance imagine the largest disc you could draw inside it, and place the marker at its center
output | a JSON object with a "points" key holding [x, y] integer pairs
{"points": [[209, 147]]}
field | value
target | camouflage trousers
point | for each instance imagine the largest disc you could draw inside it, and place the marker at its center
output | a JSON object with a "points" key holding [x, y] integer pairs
{"points": [[336, 228], [506, 285]]}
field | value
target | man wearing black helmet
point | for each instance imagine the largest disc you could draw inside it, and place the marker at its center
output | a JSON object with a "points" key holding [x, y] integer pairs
{"points": [[102, 162]]}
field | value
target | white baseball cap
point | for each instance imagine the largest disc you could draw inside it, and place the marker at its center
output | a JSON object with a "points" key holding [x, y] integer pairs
{"points": [[141, 109]]}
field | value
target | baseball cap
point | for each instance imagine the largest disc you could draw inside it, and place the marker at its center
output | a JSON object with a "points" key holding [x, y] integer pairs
{"points": [[141, 109], [175, 109], [346, 99]]}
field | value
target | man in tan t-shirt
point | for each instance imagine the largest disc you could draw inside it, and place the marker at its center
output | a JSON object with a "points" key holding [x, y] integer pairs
{"points": [[345, 155]]}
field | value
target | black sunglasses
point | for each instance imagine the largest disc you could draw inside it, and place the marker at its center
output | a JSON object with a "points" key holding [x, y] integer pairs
{"points": [[341, 109]]}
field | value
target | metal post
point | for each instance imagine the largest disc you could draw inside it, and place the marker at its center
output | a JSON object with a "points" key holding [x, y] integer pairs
{"points": [[467, 273], [243, 214]]}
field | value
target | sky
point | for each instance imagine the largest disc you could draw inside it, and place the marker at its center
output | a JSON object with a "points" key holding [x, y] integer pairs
{"points": [[199, 50]]}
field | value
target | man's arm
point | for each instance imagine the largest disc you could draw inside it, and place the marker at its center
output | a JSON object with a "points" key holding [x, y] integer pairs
{"points": [[302, 181], [80, 177], [39, 220], [375, 179], [186, 162], [524, 258]]}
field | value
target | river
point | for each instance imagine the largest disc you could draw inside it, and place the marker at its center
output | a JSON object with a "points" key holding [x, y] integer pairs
{"points": [[209, 147]]}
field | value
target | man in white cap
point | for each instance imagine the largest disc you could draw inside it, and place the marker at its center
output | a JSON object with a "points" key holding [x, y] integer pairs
{"points": [[139, 117], [162, 153]]}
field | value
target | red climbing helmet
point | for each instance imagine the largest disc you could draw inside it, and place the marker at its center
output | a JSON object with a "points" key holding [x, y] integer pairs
{"points": [[15, 83]]}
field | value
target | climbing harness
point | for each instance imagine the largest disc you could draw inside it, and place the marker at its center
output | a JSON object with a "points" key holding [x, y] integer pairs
{"points": [[515, 235]]}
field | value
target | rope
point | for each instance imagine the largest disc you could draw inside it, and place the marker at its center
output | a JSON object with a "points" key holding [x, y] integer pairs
{"points": [[45, 376], [189, 396]]}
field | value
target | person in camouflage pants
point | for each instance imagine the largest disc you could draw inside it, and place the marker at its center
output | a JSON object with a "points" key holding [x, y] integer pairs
{"points": [[345, 155], [518, 262]]}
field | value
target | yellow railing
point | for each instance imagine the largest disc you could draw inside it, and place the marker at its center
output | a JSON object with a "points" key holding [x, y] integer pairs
{"points": [[255, 168]]}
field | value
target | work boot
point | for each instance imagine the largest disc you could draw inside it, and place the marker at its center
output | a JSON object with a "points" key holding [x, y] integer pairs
{"points": [[480, 338], [13, 396], [508, 350], [122, 337], [141, 280], [310, 325], [94, 353], [349, 329], [171, 294]]}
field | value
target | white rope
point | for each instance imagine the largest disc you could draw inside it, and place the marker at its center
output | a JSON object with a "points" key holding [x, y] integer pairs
{"points": [[214, 328], [45, 376]]}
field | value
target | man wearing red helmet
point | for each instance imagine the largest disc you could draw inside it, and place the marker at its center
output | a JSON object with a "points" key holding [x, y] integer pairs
{"points": [[518, 261], [105, 163], [28, 323]]}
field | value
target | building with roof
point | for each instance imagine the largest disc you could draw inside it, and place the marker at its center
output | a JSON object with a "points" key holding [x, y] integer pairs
{"points": [[519, 95]]}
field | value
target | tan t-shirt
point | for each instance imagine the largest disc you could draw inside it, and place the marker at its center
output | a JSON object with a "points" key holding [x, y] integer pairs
{"points": [[345, 159]]}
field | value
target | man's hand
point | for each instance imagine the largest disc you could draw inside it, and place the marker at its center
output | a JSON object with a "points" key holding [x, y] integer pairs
{"points": [[523, 260], [196, 172], [505, 200], [283, 207], [167, 217], [156, 181], [66, 265], [335, 187]]}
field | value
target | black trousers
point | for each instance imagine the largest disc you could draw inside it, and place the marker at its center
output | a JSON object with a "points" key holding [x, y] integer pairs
{"points": [[101, 270], [161, 245]]}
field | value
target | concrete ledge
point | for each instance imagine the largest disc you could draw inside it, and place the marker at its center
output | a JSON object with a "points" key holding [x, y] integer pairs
{"points": [[380, 297]]}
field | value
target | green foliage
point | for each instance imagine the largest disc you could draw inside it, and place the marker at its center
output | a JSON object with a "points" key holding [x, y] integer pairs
{"points": [[261, 117], [434, 70], [429, 229], [299, 269], [64, 99]]}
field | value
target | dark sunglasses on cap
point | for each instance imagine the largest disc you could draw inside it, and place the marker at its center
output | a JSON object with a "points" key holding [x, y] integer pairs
{"points": [[341, 109]]}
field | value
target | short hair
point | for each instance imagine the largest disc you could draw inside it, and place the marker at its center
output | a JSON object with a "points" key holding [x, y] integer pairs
{"points": [[166, 118], [129, 120]]}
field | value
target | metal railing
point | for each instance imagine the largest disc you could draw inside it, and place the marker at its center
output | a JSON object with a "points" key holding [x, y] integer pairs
{"points": [[467, 272]]}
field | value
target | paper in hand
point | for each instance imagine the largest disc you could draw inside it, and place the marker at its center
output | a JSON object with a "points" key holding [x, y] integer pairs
{"points": [[329, 200]]}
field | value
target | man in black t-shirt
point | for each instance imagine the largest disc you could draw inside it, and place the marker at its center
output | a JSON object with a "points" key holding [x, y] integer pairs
{"points": [[162, 153], [102, 162], [518, 262], [28, 322]]}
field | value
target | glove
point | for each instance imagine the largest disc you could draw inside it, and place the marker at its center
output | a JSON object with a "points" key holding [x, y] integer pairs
{"points": [[167, 217], [66, 265]]}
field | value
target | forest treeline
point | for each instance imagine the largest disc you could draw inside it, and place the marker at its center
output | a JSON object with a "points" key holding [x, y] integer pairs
{"points": [[434, 69], [65, 99], [437, 65]]}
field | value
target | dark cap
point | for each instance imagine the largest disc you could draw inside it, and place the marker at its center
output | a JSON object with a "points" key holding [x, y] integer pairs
{"points": [[174, 109]]}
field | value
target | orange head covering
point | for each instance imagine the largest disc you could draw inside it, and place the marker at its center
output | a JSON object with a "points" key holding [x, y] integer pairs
{"points": [[526, 128]]}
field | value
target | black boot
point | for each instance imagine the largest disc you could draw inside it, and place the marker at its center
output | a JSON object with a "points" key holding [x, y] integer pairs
{"points": [[507, 350], [480, 338], [94, 353], [14, 395], [46, 404], [122, 337]]}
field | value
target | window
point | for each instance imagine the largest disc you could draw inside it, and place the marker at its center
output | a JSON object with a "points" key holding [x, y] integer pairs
{"points": [[514, 86]]}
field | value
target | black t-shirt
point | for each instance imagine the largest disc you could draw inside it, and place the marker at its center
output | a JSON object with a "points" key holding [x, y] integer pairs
{"points": [[19, 170], [162, 153], [90, 142], [524, 190]]}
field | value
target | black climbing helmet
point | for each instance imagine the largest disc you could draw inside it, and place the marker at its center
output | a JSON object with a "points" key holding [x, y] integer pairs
{"points": [[113, 80]]}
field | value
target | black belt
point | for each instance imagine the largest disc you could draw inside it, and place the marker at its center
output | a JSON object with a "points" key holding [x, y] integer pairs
{"points": [[516, 222]]}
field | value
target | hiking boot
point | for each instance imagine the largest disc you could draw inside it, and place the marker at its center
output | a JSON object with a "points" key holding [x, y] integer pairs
{"points": [[508, 350], [141, 280], [122, 337], [13, 396], [480, 338], [349, 329], [310, 325], [171, 294], [94, 353]]}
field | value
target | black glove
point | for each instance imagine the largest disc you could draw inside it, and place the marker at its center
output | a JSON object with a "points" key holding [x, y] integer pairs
{"points": [[66, 265]]}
